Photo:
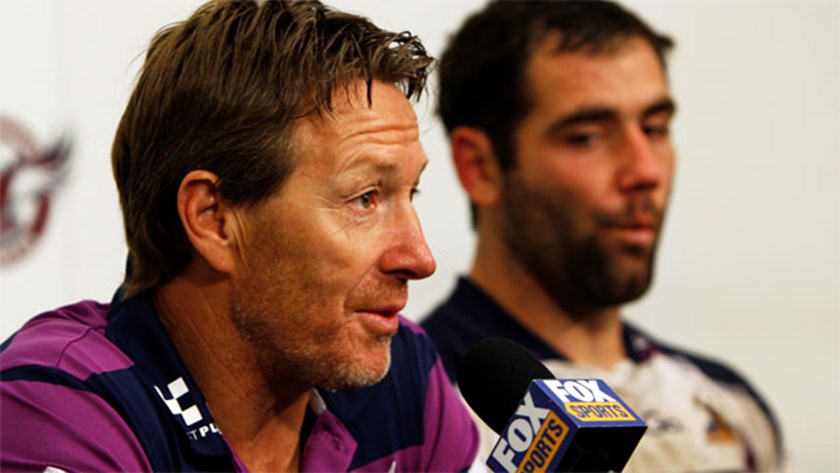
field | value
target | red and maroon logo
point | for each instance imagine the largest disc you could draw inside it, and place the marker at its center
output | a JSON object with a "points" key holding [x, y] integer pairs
{"points": [[29, 178]]}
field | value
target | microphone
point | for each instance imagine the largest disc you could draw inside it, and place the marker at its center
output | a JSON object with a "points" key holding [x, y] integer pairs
{"points": [[545, 424]]}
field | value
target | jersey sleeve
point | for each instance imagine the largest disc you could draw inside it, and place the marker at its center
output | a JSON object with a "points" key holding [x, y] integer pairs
{"points": [[51, 424]]}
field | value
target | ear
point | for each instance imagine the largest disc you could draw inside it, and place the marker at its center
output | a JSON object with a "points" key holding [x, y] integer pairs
{"points": [[206, 219], [476, 165]]}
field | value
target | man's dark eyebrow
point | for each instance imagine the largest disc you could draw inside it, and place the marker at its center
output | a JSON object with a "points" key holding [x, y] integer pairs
{"points": [[584, 115], [371, 164], [665, 105], [601, 114]]}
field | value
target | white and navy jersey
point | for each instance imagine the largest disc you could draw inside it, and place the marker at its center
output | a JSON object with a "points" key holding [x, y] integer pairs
{"points": [[99, 387], [701, 415]]}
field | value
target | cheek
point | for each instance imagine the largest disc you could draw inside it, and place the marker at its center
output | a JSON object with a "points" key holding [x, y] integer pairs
{"points": [[302, 240], [343, 259], [573, 216], [282, 272], [318, 256], [575, 190]]}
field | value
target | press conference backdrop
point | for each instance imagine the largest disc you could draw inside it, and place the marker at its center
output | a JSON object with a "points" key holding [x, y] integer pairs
{"points": [[749, 269]]}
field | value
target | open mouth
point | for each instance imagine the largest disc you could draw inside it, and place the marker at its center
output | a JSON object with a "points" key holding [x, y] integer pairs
{"points": [[380, 322]]}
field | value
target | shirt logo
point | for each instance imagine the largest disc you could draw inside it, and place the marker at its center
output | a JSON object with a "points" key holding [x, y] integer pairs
{"points": [[178, 389], [718, 430]]}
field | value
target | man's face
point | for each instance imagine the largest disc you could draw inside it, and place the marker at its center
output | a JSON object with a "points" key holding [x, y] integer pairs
{"points": [[325, 263], [584, 203]]}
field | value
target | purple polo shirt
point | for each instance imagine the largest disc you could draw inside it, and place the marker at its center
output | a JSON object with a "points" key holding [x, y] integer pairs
{"points": [[96, 387]]}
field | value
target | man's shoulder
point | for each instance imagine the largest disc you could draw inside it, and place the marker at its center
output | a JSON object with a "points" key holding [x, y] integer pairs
{"points": [[712, 383], [52, 387], [715, 369], [70, 339], [642, 345]]}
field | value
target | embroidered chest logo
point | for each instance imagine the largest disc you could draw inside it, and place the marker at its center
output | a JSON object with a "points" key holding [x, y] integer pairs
{"points": [[720, 431], [178, 389]]}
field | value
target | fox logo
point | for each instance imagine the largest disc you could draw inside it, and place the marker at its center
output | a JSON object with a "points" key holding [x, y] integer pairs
{"points": [[531, 439]]}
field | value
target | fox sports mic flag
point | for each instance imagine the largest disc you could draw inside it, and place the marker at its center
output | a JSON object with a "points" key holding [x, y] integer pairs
{"points": [[546, 424]]}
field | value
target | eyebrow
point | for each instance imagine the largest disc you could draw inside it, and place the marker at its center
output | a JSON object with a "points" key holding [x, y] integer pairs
{"points": [[601, 114], [379, 166], [666, 105]]}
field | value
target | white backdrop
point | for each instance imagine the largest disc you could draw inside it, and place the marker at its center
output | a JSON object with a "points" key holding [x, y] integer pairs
{"points": [[749, 269]]}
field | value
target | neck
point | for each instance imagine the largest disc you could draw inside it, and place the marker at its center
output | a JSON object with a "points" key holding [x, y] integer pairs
{"points": [[255, 416], [590, 336]]}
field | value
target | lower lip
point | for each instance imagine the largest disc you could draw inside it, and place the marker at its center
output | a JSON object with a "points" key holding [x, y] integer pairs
{"points": [[634, 235], [379, 324]]}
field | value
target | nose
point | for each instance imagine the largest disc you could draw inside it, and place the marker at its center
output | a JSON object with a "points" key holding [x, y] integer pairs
{"points": [[643, 167], [407, 256]]}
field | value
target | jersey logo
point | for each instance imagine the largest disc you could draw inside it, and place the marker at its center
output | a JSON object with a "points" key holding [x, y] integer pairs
{"points": [[178, 389], [718, 430]]}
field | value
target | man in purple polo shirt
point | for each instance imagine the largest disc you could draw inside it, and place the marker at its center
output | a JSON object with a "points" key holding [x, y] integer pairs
{"points": [[266, 163]]}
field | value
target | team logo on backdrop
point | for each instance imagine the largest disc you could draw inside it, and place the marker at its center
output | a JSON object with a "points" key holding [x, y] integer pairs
{"points": [[29, 177]]}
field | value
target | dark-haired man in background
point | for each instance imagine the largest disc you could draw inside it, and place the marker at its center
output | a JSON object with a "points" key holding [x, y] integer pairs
{"points": [[266, 163], [558, 116]]}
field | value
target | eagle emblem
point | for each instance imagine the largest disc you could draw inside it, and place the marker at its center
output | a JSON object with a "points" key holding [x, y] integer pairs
{"points": [[29, 178]]}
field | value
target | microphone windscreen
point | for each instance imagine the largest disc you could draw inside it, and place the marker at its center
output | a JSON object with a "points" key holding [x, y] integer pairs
{"points": [[494, 375]]}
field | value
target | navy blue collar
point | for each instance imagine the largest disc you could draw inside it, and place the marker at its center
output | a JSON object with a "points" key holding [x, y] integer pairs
{"points": [[134, 326], [491, 320]]}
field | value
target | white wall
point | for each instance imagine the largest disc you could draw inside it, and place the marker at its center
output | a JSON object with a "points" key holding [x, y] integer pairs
{"points": [[750, 266]]}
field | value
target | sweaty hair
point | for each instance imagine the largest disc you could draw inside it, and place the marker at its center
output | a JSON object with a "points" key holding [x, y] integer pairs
{"points": [[223, 91], [483, 68]]}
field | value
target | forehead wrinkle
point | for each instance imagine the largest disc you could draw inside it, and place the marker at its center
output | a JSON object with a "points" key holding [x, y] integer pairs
{"points": [[378, 164], [370, 163], [381, 137], [380, 131], [364, 120], [367, 116], [382, 148], [600, 97]]}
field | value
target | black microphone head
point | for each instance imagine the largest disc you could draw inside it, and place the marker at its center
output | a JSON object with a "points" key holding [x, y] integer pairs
{"points": [[494, 375]]}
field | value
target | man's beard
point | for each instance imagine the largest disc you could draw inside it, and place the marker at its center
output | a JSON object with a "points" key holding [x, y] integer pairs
{"points": [[576, 268], [286, 356]]}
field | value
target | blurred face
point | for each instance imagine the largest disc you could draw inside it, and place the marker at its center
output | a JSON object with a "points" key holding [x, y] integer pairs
{"points": [[584, 203], [326, 261]]}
